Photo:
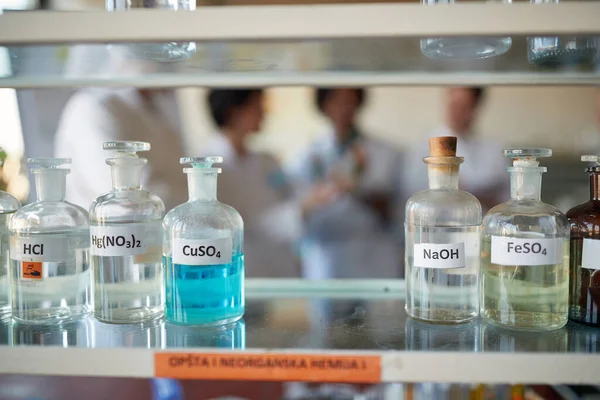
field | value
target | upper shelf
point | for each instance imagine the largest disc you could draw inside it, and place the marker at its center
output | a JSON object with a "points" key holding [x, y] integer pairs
{"points": [[343, 331], [356, 45]]}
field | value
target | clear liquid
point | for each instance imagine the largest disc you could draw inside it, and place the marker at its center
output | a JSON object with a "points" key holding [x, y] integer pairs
{"points": [[204, 294], [4, 265], [525, 297], [128, 289], [64, 294], [443, 295]]}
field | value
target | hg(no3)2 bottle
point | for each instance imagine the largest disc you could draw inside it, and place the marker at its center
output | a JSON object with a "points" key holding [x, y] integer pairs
{"points": [[203, 253], [126, 242], [525, 257], [442, 243], [50, 275]]}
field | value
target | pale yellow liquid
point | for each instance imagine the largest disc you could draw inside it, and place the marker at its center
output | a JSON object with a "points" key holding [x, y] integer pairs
{"points": [[525, 297]]}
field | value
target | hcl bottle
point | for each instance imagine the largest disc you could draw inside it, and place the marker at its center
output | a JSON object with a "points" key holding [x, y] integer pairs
{"points": [[203, 253], [442, 243], [49, 251], [525, 256], [126, 242], [584, 292], [8, 206]]}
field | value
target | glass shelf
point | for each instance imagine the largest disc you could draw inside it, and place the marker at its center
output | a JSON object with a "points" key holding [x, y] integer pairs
{"points": [[279, 45], [324, 319]]}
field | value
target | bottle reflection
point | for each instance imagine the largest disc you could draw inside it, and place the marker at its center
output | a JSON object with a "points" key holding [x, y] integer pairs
{"points": [[5, 331], [424, 336], [146, 335], [583, 339], [76, 334], [498, 339], [231, 336]]}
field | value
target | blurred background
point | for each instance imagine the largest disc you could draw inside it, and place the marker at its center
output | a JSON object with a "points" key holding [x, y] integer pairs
{"points": [[384, 130]]}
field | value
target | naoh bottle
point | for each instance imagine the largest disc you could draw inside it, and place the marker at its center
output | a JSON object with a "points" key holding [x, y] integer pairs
{"points": [[443, 243], [49, 251], [203, 253], [126, 242]]}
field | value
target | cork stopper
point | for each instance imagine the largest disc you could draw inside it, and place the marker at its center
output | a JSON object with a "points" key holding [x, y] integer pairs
{"points": [[442, 146]]}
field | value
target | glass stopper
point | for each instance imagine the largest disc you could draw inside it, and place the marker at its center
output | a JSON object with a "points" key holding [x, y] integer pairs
{"points": [[201, 162], [526, 157], [126, 148], [592, 159], [48, 162]]}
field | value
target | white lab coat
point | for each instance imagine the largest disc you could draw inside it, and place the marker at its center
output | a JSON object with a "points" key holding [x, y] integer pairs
{"points": [[482, 171], [347, 239], [95, 116], [258, 189]]}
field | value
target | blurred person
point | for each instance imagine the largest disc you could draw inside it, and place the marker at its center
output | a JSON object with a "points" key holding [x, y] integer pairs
{"points": [[94, 116], [355, 236], [255, 185], [483, 172]]}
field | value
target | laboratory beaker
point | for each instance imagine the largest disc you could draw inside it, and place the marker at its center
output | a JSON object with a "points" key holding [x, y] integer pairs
{"points": [[553, 51], [463, 48], [164, 52]]}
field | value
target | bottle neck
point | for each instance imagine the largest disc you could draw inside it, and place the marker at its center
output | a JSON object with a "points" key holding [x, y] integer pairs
{"points": [[126, 173], [595, 185], [202, 186], [443, 176], [50, 184], [526, 183]]}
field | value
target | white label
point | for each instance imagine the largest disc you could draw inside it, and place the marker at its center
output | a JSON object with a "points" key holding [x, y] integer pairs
{"points": [[590, 254], [39, 249], [435, 255], [519, 251], [202, 251], [126, 240]]}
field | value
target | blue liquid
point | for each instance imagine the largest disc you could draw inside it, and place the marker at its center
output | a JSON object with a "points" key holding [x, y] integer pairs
{"points": [[204, 294]]}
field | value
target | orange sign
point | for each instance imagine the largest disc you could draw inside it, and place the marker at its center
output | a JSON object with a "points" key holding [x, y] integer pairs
{"points": [[268, 367], [31, 270]]}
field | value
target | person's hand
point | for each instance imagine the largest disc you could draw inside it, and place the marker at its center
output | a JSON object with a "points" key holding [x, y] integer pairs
{"points": [[359, 155], [320, 195]]}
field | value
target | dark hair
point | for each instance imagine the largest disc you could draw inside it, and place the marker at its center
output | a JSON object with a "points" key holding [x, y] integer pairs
{"points": [[323, 93], [478, 93], [223, 101]]}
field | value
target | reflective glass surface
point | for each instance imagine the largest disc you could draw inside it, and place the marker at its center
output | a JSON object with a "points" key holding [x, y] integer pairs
{"points": [[355, 61], [373, 320]]}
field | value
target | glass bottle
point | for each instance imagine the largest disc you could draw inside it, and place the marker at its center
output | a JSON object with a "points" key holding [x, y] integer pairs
{"points": [[442, 243], [203, 253], [584, 292], [525, 256], [49, 250], [164, 52], [8, 206], [126, 238], [463, 48], [556, 51]]}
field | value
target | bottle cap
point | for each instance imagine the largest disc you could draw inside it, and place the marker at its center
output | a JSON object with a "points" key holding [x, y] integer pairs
{"points": [[125, 148], [48, 162], [442, 146], [526, 157], [592, 159], [202, 163]]}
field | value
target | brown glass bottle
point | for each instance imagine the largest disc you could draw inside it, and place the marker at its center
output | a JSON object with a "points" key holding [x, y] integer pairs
{"points": [[584, 289]]}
